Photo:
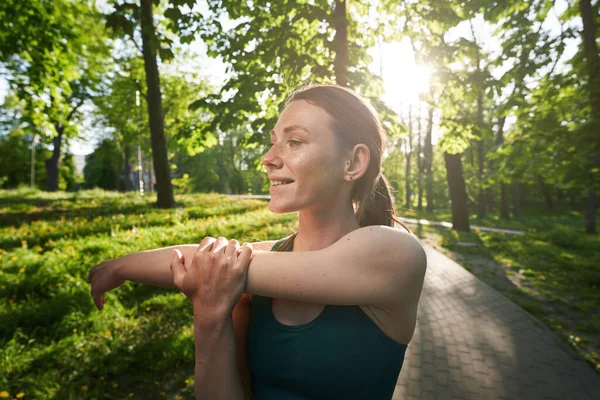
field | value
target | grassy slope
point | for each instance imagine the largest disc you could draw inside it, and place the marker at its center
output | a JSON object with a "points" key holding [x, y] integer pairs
{"points": [[54, 344]]}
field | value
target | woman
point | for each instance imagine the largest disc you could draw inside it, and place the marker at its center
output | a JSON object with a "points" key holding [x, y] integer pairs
{"points": [[329, 311]]}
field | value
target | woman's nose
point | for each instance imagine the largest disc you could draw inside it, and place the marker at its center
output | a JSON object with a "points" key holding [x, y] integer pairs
{"points": [[272, 158]]}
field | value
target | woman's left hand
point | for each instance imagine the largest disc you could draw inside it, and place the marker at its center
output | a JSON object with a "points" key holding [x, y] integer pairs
{"points": [[216, 277]]}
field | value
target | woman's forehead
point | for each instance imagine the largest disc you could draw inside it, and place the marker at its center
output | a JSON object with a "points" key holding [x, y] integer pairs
{"points": [[301, 113]]}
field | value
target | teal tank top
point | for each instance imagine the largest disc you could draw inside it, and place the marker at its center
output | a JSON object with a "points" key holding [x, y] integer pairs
{"points": [[342, 354]]}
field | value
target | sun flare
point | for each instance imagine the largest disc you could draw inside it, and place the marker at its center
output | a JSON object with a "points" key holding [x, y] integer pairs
{"points": [[403, 78]]}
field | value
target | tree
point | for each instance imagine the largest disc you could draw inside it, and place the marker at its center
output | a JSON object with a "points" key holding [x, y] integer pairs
{"points": [[428, 161], [277, 46], [15, 164], [55, 54], [408, 151], [427, 25], [590, 36], [164, 188], [553, 141], [120, 112], [124, 20], [102, 166], [458, 192]]}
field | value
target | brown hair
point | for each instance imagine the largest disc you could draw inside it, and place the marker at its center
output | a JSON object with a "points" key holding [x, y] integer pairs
{"points": [[354, 122]]}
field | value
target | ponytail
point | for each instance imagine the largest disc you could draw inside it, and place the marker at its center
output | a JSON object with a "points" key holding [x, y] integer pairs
{"points": [[376, 206]]}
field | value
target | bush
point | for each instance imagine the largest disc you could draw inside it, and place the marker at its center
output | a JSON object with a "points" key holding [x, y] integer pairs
{"points": [[563, 236]]}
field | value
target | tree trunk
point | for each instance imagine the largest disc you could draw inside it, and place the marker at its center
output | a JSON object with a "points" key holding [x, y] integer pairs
{"points": [[458, 192], [127, 167], [516, 200], [489, 198], [408, 157], [480, 158], [505, 206], [546, 193], [53, 163], [120, 168], [419, 164], [593, 63], [428, 153], [590, 212], [151, 178], [504, 202], [159, 142], [340, 43]]}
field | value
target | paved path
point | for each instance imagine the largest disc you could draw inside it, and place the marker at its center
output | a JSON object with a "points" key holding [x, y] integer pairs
{"points": [[473, 343]]}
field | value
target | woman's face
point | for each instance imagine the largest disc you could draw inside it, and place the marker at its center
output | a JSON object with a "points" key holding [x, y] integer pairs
{"points": [[307, 156]]}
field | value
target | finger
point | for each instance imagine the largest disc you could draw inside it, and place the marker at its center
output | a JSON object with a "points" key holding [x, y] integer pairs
{"points": [[91, 274], [98, 299], [206, 243], [245, 254], [239, 250], [178, 268], [232, 248], [219, 245]]}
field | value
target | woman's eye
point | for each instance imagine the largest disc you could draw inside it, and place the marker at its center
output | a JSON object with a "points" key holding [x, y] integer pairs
{"points": [[290, 142]]}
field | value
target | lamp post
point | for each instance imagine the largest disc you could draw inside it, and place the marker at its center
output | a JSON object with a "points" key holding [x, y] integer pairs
{"points": [[36, 139], [140, 170]]}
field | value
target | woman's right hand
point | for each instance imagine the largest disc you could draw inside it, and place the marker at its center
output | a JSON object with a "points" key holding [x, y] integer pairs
{"points": [[103, 277]]}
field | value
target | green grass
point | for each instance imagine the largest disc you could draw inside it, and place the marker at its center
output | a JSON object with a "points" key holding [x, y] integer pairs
{"points": [[54, 344], [556, 260]]}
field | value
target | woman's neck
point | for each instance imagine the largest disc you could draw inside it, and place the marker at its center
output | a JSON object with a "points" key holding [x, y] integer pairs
{"points": [[318, 230]]}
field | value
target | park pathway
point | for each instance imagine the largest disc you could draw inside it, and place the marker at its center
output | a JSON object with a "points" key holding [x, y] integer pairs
{"points": [[473, 343]]}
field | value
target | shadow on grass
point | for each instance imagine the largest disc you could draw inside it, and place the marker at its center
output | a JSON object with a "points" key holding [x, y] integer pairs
{"points": [[40, 318], [19, 210], [157, 218], [59, 212], [150, 355]]}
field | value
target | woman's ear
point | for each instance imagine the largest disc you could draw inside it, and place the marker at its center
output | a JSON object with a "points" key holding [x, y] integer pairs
{"points": [[357, 162]]}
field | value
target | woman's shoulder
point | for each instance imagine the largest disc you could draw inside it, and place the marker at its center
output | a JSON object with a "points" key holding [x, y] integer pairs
{"points": [[266, 245]]}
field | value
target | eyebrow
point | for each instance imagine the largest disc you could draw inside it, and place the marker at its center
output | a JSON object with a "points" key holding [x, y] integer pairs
{"points": [[289, 129]]}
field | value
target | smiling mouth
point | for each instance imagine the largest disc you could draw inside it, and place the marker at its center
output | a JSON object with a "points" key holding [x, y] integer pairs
{"points": [[281, 183]]}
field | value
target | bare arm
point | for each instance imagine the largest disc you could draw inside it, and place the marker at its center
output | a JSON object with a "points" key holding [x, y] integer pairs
{"points": [[214, 283], [216, 371], [375, 265], [241, 323], [151, 267]]}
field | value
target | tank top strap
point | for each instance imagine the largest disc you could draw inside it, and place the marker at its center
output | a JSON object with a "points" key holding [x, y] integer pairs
{"points": [[289, 240]]}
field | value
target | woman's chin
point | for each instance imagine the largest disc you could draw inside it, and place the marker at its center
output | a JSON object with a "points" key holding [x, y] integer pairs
{"points": [[280, 208]]}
